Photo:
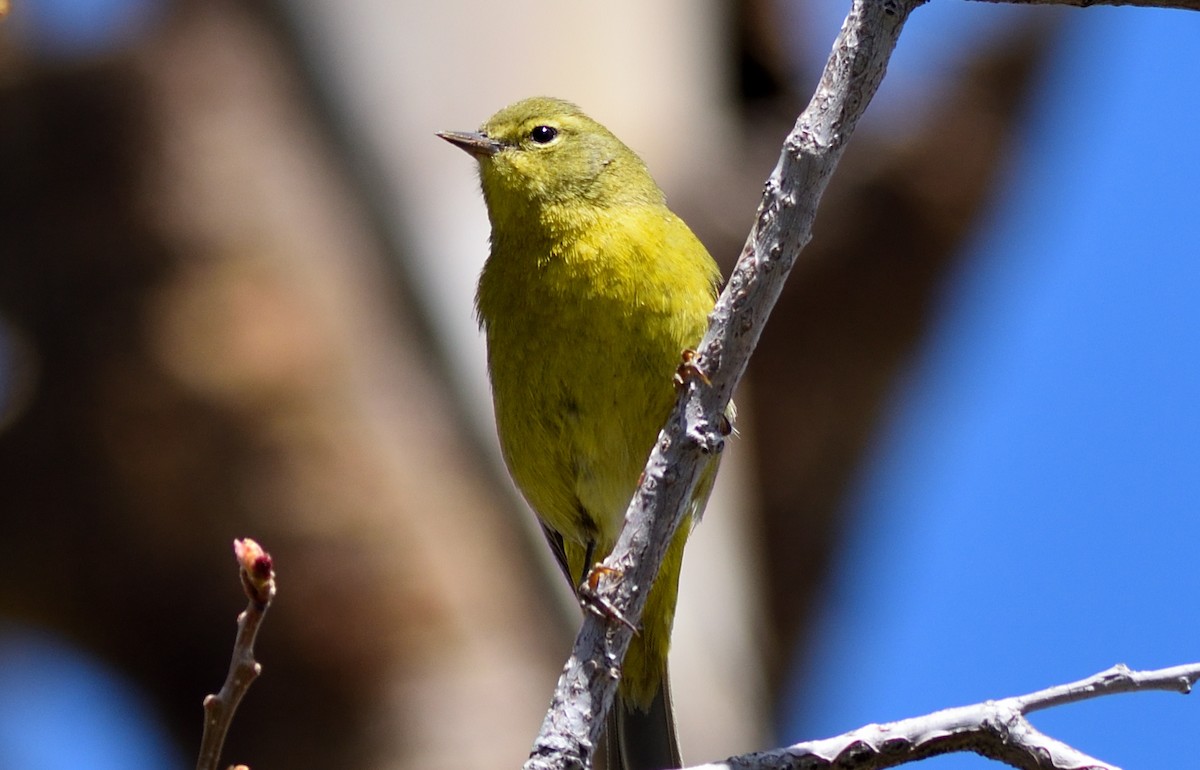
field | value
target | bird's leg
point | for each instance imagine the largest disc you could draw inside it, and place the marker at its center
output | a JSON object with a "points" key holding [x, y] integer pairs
{"points": [[588, 555], [592, 600], [689, 369], [710, 441]]}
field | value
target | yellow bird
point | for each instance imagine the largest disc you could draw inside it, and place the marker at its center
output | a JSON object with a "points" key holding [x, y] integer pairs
{"points": [[592, 291]]}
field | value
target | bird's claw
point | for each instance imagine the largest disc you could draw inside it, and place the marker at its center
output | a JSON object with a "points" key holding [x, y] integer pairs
{"points": [[689, 369], [592, 601]]}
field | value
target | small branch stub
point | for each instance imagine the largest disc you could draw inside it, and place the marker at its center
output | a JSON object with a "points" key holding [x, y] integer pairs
{"points": [[257, 574]]}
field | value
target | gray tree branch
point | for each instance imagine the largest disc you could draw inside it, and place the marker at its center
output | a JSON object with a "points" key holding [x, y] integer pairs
{"points": [[574, 723], [573, 726], [995, 729]]}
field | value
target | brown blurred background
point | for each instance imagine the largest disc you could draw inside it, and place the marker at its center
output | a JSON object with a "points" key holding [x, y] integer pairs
{"points": [[235, 277]]}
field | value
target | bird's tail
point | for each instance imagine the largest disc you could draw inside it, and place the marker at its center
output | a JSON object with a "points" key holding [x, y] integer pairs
{"points": [[643, 739]]}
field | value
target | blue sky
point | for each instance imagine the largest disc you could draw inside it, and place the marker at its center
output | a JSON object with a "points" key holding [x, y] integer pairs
{"points": [[61, 709], [1030, 515]]}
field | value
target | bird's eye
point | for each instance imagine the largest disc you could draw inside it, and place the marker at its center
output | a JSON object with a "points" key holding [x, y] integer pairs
{"points": [[543, 134]]}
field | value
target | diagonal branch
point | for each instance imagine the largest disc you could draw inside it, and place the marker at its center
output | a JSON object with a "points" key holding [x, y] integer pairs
{"points": [[573, 726], [995, 729], [574, 723]]}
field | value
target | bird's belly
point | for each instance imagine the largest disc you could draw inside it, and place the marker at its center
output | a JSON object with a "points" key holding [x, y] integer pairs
{"points": [[578, 415]]}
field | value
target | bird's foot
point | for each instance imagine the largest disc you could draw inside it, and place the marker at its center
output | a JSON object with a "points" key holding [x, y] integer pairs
{"points": [[593, 601], [689, 369]]}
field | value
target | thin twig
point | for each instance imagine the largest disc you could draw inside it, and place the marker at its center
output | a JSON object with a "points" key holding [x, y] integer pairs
{"points": [[1118, 679], [995, 729], [258, 580]]}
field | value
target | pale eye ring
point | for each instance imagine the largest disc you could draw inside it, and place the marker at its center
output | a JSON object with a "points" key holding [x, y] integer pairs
{"points": [[543, 134]]}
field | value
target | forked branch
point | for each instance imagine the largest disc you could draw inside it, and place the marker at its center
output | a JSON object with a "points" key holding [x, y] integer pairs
{"points": [[995, 729]]}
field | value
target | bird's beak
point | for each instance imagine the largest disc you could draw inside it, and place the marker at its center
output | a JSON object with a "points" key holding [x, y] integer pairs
{"points": [[478, 145]]}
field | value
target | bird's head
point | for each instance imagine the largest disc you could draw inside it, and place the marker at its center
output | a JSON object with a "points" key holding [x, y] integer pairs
{"points": [[546, 153]]}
